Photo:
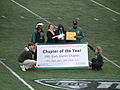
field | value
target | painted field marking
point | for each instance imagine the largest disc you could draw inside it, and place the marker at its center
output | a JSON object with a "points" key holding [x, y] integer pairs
{"points": [[17, 76], [30, 11], [78, 84], [111, 62], [3, 16], [22, 17], [55, 26], [105, 7]]}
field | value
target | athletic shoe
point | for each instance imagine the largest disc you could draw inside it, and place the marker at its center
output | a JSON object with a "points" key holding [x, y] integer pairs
{"points": [[22, 68]]}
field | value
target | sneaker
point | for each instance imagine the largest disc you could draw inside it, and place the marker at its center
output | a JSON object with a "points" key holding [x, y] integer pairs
{"points": [[22, 68]]}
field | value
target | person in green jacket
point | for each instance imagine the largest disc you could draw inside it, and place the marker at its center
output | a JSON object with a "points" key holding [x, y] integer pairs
{"points": [[79, 33], [26, 59], [38, 34]]}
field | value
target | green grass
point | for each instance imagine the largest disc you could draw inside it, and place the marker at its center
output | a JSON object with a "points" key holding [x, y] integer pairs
{"points": [[15, 33], [115, 5]]}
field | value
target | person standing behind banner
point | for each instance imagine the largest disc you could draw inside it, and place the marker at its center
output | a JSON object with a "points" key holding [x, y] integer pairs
{"points": [[25, 59], [38, 36], [51, 37], [61, 34], [79, 33]]}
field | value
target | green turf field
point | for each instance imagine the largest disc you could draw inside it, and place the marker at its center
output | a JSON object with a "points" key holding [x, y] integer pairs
{"points": [[101, 27]]}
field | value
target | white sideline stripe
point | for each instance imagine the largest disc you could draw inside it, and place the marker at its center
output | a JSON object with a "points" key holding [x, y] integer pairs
{"points": [[55, 26], [17, 76], [105, 7], [30, 11], [111, 61]]}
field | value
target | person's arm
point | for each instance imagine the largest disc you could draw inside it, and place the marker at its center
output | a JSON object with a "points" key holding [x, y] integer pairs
{"points": [[34, 36], [91, 48], [21, 57], [55, 37], [79, 34], [28, 55], [49, 35]]}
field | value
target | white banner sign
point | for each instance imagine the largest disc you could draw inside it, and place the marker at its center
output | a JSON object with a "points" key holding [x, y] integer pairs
{"points": [[64, 55]]}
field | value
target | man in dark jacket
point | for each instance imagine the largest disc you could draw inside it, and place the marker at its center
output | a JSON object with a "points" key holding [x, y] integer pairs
{"points": [[26, 57]]}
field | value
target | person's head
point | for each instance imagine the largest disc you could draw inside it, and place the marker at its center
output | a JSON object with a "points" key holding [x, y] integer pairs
{"points": [[31, 46], [75, 24], [60, 27], [51, 27], [39, 25], [98, 49]]}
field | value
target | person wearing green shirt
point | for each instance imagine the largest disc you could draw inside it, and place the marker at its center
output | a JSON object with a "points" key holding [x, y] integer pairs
{"points": [[38, 34], [79, 33]]}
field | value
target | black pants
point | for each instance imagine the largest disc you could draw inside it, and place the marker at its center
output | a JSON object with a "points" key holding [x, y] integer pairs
{"points": [[96, 65]]}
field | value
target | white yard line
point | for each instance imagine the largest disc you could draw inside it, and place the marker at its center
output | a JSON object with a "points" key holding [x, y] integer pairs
{"points": [[56, 26], [30, 11], [111, 62], [105, 7], [17, 76]]}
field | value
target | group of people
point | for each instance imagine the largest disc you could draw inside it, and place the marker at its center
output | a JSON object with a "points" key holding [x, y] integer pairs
{"points": [[27, 58], [55, 36]]}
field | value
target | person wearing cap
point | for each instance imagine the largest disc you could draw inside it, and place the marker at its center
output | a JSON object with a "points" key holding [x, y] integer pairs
{"points": [[79, 33], [61, 34], [38, 34], [25, 59]]}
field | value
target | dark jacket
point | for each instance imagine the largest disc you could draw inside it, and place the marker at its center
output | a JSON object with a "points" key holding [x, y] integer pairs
{"points": [[99, 58], [26, 54], [58, 32], [38, 36], [79, 35], [49, 38], [97, 62]]}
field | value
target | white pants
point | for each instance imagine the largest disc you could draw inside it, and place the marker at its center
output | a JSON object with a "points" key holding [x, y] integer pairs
{"points": [[28, 63]]}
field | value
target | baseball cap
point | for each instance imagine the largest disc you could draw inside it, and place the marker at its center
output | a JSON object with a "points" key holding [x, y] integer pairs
{"points": [[75, 22], [40, 24]]}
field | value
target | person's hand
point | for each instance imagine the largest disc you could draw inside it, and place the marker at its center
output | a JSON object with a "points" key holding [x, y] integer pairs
{"points": [[62, 38], [75, 36], [55, 37], [59, 38], [36, 44]]}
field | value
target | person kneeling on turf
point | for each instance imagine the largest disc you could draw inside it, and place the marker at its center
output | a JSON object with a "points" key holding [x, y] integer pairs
{"points": [[25, 59], [97, 62]]}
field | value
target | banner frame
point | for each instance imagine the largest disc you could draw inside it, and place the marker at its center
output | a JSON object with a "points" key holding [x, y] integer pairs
{"points": [[47, 68]]}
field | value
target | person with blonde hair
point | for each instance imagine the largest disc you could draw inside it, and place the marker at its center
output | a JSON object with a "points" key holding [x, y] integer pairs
{"points": [[51, 37], [97, 62]]}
